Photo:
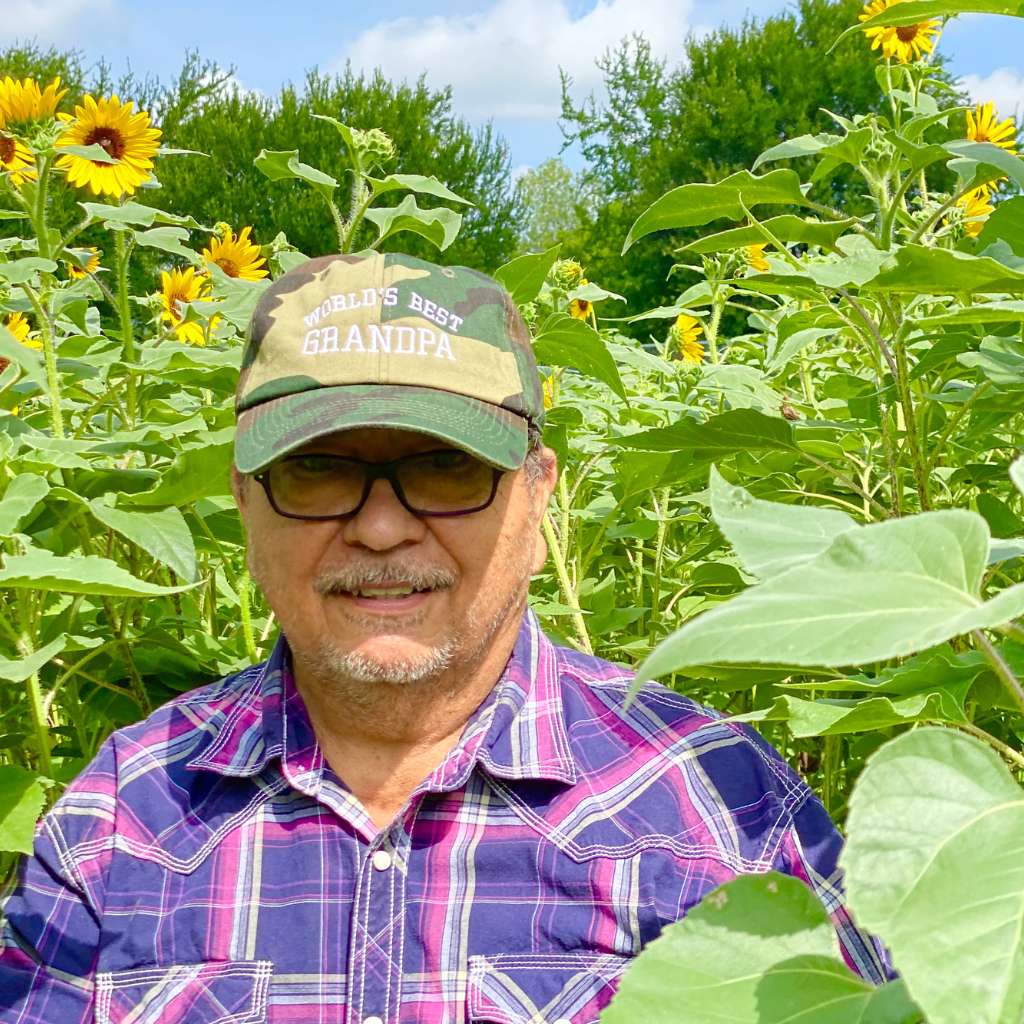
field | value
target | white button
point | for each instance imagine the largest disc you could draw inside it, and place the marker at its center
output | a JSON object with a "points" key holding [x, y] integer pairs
{"points": [[381, 861], [373, 1020], [563, 1020]]}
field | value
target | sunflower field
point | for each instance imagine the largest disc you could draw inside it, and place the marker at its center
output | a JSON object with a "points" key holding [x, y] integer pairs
{"points": [[794, 491]]}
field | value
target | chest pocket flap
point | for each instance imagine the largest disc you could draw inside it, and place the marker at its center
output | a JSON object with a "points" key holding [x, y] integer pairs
{"points": [[234, 992]]}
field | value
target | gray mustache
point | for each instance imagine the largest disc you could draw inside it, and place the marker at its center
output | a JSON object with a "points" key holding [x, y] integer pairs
{"points": [[353, 577]]}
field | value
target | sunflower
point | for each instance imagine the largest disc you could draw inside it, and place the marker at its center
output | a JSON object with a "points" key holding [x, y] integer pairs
{"points": [[753, 256], [25, 101], [904, 42], [126, 137], [982, 126], [687, 331], [16, 158], [580, 308], [176, 288], [550, 387], [77, 270], [19, 326], [976, 209], [236, 256]]}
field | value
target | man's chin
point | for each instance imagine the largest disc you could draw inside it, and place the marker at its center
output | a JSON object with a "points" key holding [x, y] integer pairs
{"points": [[386, 659]]}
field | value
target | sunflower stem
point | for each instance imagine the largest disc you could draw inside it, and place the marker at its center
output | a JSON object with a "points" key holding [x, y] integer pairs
{"points": [[555, 551], [50, 360], [42, 232], [125, 314]]}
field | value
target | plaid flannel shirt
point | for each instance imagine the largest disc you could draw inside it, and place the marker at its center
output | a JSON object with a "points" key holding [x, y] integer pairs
{"points": [[209, 866]]}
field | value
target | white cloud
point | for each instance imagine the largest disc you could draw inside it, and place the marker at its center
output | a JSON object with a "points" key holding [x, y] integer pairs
{"points": [[49, 21], [503, 62], [1004, 87]]}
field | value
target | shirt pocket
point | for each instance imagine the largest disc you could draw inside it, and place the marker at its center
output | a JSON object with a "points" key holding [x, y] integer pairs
{"points": [[234, 992], [543, 988]]}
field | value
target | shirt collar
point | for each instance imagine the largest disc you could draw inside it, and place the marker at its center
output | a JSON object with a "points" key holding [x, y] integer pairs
{"points": [[518, 732]]}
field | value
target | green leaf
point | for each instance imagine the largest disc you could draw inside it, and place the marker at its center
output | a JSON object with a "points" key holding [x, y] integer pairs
{"points": [[94, 153], [40, 569], [1010, 311], [23, 493], [19, 670], [23, 270], [279, 165], [132, 213], [163, 534], [924, 270], [882, 591], [429, 186], [21, 803], [692, 205], [973, 161], [438, 225], [1001, 360], [770, 538], [196, 473], [168, 239], [933, 868], [565, 341], [524, 276], [736, 430], [1005, 224], [908, 12], [1017, 474], [29, 359], [786, 228], [757, 950], [837, 149]]}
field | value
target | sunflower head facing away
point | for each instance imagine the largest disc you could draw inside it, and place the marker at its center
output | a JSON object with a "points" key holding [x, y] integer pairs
{"points": [[176, 288], [686, 332], [237, 256], [984, 126], [23, 101], [975, 208], [904, 43], [126, 137]]}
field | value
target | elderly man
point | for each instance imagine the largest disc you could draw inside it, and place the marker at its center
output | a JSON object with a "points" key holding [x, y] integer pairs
{"points": [[418, 809]]}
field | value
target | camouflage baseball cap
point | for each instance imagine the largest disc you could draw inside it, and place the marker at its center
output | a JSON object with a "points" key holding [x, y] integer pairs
{"points": [[386, 340]]}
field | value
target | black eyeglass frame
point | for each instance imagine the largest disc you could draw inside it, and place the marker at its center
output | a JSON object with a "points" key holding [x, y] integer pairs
{"points": [[375, 471]]}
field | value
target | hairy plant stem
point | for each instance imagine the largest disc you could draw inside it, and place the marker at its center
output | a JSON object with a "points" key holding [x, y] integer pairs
{"points": [[568, 592], [245, 609], [910, 423], [42, 190], [954, 421], [33, 689], [713, 326], [50, 361], [1002, 670], [1001, 748], [127, 333]]}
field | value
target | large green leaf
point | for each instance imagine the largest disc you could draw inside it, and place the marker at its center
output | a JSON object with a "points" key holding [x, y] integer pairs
{"points": [[167, 239], [30, 360], [1005, 224], [279, 165], [1009, 311], [786, 228], [732, 431], [39, 569], [1001, 360], [19, 669], [162, 533], [973, 162], [23, 493], [428, 186], [934, 868], [196, 473], [758, 950], [438, 225], [23, 270], [770, 538], [925, 270], [692, 205], [878, 592], [135, 214], [837, 149], [21, 802], [524, 276], [565, 341]]}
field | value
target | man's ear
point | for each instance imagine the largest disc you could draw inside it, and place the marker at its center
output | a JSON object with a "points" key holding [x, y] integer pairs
{"points": [[238, 487]]}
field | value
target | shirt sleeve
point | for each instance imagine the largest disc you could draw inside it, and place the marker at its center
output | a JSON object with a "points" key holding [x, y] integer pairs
{"points": [[50, 934]]}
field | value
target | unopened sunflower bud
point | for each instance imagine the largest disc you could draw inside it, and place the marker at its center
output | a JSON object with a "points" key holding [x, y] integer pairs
{"points": [[222, 229], [373, 143], [567, 274]]}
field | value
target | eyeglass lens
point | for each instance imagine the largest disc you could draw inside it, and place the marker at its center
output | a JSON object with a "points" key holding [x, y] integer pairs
{"points": [[436, 482]]}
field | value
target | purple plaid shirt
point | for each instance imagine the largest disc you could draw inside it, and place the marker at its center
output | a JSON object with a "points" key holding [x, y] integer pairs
{"points": [[209, 866]]}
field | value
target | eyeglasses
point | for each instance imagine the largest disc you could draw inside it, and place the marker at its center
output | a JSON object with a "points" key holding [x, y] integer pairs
{"points": [[445, 482]]}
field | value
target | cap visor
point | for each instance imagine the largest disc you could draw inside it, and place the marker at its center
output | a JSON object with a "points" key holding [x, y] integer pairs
{"points": [[273, 429]]}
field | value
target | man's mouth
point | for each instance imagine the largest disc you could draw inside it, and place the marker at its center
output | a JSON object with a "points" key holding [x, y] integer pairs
{"points": [[389, 598]]}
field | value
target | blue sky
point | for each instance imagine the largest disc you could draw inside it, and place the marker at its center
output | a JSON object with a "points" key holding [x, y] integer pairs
{"points": [[500, 56]]}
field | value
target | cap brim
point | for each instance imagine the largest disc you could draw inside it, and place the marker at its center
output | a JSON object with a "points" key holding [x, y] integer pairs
{"points": [[274, 428]]}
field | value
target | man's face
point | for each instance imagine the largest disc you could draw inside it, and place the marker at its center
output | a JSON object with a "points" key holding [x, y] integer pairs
{"points": [[471, 572]]}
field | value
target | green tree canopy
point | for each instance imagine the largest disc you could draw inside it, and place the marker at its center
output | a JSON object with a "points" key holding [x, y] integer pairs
{"points": [[554, 200]]}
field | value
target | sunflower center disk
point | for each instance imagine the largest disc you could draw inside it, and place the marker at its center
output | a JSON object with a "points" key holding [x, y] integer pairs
{"points": [[110, 139], [6, 149], [230, 267], [906, 33]]}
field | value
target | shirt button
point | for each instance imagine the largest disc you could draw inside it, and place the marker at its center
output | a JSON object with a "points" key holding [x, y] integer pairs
{"points": [[372, 1020], [563, 1020], [381, 861]]}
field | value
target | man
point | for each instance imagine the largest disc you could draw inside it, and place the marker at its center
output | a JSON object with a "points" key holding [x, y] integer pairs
{"points": [[419, 809]]}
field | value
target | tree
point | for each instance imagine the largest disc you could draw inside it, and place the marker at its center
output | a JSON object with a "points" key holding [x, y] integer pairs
{"points": [[553, 198], [735, 93]]}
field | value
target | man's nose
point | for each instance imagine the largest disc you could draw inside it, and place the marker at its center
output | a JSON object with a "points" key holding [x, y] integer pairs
{"points": [[383, 522]]}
